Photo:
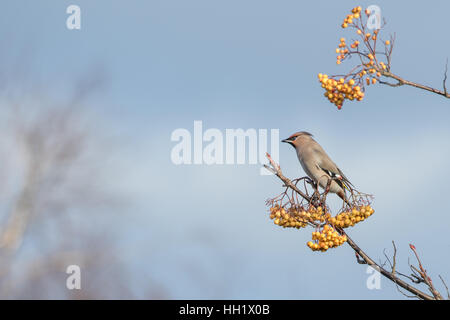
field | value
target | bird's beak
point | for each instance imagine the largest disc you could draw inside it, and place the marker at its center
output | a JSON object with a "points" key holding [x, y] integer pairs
{"points": [[286, 141]]}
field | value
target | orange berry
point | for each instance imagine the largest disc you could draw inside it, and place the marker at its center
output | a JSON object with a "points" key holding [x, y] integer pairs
{"points": [[387, 42]]}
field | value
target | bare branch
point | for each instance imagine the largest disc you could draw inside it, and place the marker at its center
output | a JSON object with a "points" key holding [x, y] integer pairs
{"points": [[276, 170], [424, 275], [445, 77], [445, 285], [402, 81]]}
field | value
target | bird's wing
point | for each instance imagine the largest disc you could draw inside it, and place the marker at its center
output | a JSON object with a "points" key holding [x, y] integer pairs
{"points": [[331, 169], [341, 180]]}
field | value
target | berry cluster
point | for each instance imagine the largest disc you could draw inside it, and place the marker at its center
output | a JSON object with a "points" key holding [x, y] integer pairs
{"points": [[356, 13], [286, 219], [297, 216], [326, 239], [351, 217], [352, 85], [338, 90], [314, 214]]}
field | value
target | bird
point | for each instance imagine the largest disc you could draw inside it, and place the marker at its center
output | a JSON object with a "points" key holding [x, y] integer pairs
{"points": [[318, 165]]}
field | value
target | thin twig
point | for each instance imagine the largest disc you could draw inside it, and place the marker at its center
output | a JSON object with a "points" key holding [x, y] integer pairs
{"points": [[424, 275], [445, 285], [445, 77]]}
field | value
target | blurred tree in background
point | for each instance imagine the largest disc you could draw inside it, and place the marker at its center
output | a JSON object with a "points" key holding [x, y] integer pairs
{"points": [[56, 209]]}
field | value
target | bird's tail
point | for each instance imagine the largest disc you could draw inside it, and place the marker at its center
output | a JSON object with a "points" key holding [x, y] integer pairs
{"points": [[346, 185]]}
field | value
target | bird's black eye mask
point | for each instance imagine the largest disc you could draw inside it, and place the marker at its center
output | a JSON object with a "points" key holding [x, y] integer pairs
{"points": [[290, 141]]}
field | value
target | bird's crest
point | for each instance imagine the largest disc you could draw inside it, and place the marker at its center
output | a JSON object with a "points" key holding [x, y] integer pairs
{"points": [[300, 133]]}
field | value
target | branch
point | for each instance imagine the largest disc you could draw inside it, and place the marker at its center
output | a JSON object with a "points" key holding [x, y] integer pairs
{"points": [[446, 287], [424, 275], [276, 170], [445, 77], [402, 81]]}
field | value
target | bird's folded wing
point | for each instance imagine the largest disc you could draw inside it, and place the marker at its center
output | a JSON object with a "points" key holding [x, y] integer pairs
{"points": [[341, 180]]}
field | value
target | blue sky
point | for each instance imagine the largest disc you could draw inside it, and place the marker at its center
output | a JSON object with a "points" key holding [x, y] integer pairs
{"points": [[203, 231]]}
